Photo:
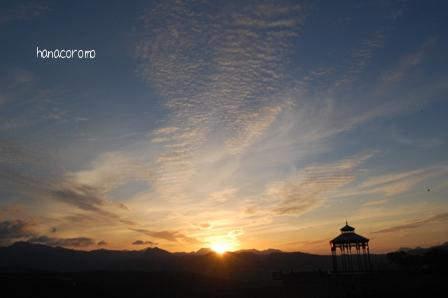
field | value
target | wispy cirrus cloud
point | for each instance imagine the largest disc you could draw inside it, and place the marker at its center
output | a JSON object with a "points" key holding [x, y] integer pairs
{"points": [[228, 87], [111, 170], [361, 57], [407, 63], [217, 90], [397, 183], [437, 218], [307, 188]]}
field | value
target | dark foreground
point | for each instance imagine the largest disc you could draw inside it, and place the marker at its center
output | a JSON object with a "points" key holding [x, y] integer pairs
{"points": [[183, 284]]}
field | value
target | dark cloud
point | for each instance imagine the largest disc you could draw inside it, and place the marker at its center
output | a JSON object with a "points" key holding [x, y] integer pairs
{"points": [[92, 199], [84, 197], [71, 242], [89, 198], [167, 235], [141, 242], [438, 218], [102, 242], [11, 230], [86, 219]]}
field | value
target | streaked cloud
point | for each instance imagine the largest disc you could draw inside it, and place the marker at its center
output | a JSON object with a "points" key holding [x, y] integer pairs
{"points": [[307, 188], [69, 242], [172, 236], [109, 171], [13, 230], [398, 183], [89, 189], [360, 58], [375, 203], [407, 63], [82, 196], [144, 242], [418, 223], [102, 243]]}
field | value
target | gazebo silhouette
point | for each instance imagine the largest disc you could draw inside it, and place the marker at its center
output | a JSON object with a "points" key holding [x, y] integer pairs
{"points": [[348, 260]]}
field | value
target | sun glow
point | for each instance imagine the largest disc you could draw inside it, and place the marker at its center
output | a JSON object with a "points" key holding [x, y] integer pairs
{"points": [[221, 247]]}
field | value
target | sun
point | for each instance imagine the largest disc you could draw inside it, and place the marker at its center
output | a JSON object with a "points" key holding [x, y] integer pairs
{"points": [[220, 247]]}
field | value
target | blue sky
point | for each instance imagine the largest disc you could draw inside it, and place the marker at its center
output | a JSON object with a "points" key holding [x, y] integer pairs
{"points": [[202, 123]]}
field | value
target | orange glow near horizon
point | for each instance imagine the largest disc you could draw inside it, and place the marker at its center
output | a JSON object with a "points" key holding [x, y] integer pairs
{"points": [[221, 247]]}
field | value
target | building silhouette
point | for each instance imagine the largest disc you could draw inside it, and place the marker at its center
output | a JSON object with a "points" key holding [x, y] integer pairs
{"points": [[354, 254]]}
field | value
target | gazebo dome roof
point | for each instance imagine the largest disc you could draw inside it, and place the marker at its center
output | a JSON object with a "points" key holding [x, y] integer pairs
{"points": [[349, 238], [347, 228], [348, 235]]}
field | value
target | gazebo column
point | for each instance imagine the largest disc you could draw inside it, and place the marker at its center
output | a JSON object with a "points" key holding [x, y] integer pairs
{"points": [[350, 256], [369, 268], [347, 247], [358, 257], [344, 261], [346, 257], [334, 258], [365, 256], [341, 257]]}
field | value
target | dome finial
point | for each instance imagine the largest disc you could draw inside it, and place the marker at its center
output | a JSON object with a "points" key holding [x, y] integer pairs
{"points": [[346, 223]]}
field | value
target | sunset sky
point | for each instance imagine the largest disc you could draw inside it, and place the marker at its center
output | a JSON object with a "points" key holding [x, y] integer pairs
{"points": [[237, 124]]}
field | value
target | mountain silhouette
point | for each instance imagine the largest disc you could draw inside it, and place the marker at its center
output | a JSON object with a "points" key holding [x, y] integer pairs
{"points": [[203, 251], [247, 264], [260, 252]]}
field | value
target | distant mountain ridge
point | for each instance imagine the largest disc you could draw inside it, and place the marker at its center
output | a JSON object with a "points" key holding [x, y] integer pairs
{"points": [[260, 252], [422, 250], [241, 264], [207, 250], [244, 264]]}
